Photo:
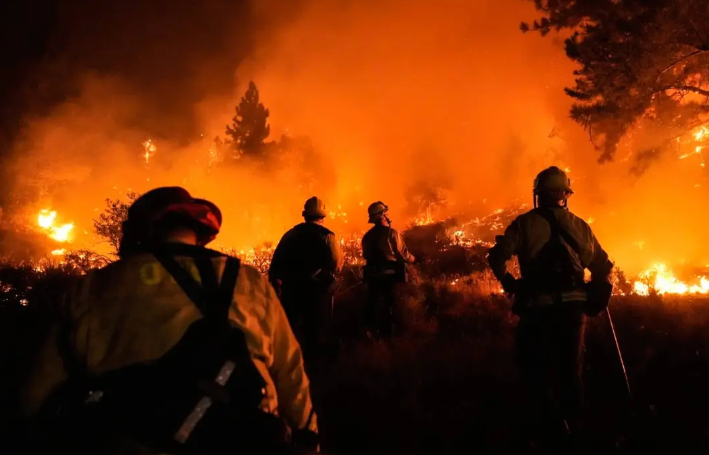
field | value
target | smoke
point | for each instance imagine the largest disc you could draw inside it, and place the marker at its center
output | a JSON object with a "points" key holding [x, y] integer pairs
{"points": [[393, 94]]}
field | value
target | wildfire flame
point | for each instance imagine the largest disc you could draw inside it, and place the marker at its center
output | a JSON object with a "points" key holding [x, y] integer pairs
{"points": [[425, 219], [46, 220], [700, 135], [660, 279]]}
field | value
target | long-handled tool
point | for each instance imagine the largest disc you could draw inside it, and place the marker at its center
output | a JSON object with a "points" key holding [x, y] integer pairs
{"points": [[620, 353]]}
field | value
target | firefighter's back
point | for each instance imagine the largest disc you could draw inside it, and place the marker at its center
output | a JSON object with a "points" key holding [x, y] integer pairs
{"points": [[303, 251], [536, 233], [133, 313]]}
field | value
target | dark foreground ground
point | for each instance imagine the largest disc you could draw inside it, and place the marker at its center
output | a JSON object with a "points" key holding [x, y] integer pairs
{"points": [[446, 384]]}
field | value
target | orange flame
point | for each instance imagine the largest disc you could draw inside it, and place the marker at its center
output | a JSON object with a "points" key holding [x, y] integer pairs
{"points": [[660, 279], [46, 220]]}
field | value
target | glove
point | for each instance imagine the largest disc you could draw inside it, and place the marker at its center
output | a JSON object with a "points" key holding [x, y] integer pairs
{"points": [[509, 284], [598, 295]]}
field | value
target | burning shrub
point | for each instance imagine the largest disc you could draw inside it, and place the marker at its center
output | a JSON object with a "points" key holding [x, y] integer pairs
{"points": [[260, 258]]}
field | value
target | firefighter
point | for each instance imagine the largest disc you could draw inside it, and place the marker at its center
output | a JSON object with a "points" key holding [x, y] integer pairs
{"points": [[173, 348], [553, 247], [305, 264], [386, 257]]}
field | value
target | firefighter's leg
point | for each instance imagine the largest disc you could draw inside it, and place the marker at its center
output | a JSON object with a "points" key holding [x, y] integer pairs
{"points": [[371, 310], [389, 308], [542, 422], [569, 361]]}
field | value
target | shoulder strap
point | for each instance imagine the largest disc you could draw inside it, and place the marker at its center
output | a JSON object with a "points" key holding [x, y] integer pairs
{"points": [[211, 298], [557, 230]]}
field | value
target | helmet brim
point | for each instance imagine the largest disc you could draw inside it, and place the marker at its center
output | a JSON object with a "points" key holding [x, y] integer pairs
{"points": [[314, 214]]}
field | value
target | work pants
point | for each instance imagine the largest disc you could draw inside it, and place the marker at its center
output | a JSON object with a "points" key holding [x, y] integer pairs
{"points": [[381, 305], [309, 310], [549, 357]]}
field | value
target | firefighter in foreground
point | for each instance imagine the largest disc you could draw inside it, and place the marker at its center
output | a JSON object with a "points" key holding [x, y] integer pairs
{"points": [[553, 247], [174, 348], [386, 257], [303, 270]]}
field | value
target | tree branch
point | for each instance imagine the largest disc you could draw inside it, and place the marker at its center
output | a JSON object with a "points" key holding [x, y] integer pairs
{"points": [[691, 54], [684, 88]]}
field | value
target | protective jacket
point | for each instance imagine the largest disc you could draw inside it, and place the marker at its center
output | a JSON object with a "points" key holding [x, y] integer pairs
{"points": [[529, 237], [382, 245], [304, 251], [132, 311]]}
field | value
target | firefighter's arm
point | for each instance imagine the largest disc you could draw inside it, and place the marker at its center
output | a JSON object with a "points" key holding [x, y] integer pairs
{"points": [[506, 246], [338, 258], [287, 370], [366, 253], [600, 265], [46, 374], [401, 249], [49, 366], [274, 272]]}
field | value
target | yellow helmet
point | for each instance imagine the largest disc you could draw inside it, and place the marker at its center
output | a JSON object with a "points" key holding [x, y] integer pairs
{"points": [[314, 208], [376, 210]]}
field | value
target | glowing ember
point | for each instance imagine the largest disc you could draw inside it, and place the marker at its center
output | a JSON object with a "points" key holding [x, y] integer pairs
{"points": [[661, 280], [61, 252], [699, 135], [46, 220], [150, 150], [338, 214]]}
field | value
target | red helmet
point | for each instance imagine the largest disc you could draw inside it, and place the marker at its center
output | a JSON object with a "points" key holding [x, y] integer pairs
{"points": [[159, 203]]}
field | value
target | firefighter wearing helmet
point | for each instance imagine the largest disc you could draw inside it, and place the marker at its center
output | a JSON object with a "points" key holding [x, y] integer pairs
{"points": [[386, 257], [553, 247], [303, 270], [174, 348]]}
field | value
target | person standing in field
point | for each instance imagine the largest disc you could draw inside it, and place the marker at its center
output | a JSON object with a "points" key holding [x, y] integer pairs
{"points": [[305, 264], [386, 257], [554, 247]]}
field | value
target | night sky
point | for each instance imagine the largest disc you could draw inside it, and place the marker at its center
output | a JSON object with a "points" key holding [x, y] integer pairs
{"points": [[169, 52]]}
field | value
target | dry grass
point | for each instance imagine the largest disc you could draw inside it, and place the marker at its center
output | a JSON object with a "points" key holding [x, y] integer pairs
{"points": [[446, 383]]}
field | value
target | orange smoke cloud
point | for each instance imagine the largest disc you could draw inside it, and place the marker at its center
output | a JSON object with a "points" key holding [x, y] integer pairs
{"points": [[391, 92]]}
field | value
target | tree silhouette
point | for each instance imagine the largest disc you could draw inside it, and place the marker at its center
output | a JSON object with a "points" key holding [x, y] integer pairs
{"points": [[642, 62], [109, 225], [249, 129]]}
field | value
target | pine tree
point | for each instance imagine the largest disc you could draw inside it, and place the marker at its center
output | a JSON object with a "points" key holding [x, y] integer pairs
{"points": [[249, 129], [642, 63]]}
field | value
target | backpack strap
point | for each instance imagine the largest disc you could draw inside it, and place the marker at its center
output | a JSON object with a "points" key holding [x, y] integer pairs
{"points": [[212, 298], [558, 231], [557, 234]]}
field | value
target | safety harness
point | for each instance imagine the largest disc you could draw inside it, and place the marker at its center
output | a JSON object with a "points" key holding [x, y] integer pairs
{"points": [[554, 272], [203, 395]]}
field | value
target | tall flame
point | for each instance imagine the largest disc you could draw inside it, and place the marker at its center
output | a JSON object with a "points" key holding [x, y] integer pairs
{"points": [[46, 220], [663, 281]]}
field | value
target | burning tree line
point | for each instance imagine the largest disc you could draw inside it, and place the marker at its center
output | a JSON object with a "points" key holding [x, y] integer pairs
{"points": [[452, 253], [642, 78]]}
